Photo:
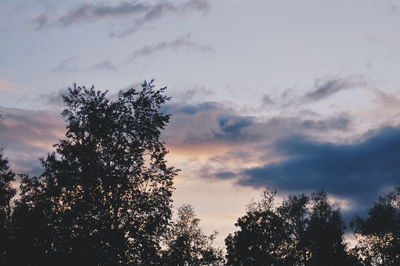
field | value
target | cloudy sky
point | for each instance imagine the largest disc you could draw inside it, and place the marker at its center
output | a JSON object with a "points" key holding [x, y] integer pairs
{"points": [[293, 95]]}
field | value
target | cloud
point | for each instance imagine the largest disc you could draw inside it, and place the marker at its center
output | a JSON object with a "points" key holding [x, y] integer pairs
{"points": [[225, 175], [41, 21], [216, 122], [326, 88], [105, 65], [359, 171], [27, 135], [280, 126], [193, 94], [199, 5], [54, 98], [92, 13], [7, 86], [266, 100], [176, 44], [10, 87], [66, 66], [137, 12]]}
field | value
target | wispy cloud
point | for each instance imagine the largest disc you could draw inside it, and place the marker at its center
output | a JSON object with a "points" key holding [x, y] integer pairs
{"points": [[182, 42], [323, 89], [105, 65], [193, 94], [54, 98], [326, 88], [137, 13], [66, 66]]}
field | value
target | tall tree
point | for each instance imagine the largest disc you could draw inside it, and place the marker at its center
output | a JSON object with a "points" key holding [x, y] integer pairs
{"points": [[324, 234], [104, 197], [7, 192], [378, 234], [187, 244], [296, 216]]}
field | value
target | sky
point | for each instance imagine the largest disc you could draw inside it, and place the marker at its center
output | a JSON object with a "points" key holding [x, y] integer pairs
{"points": [[292, 95]]}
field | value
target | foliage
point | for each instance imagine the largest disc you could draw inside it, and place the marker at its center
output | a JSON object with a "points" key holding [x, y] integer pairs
{"points": [[301, 231], [324, 234], [260, 240], [104, 197], [378, 234], [187, 244], [6, 194]]}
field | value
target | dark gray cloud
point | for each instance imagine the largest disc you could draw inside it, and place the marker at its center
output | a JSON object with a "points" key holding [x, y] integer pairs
{"points": [[358, 171], [176, 44], [225, 175], [326, 88], [137, 12]]}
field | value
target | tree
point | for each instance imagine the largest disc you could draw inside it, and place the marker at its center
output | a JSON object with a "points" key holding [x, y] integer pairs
{"points": [[33, 220], [296, 216], [378, 234], [301, 231], [104, 197], [187, 244], [262, 237], [324, 234], [7, 192]]}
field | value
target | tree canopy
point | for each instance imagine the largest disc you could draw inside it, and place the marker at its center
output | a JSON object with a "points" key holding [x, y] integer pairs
{"points": [[104, 197], [378, 233], [300, 231], [187, 244]]}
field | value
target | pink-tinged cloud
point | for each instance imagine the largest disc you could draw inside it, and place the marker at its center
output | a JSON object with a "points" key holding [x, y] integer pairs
{"points": [[27, 135], [10, 87]]}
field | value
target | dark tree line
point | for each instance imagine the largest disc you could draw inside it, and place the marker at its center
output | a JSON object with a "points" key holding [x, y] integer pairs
{"points": [[105, 198], [309, 231]]}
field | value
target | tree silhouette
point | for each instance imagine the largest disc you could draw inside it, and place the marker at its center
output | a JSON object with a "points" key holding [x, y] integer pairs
{"points": [[6, 194], [378, 234], [104, 197], [296, 217], [324, 234], [187, 244], [261, 239], [301, 231]]}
